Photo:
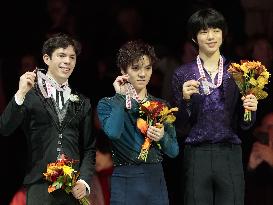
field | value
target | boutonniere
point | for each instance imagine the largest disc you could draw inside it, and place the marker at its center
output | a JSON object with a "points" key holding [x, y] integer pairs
{"points": [[74, 98]]}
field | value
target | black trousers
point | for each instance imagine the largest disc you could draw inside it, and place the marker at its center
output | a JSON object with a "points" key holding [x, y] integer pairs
{"points": [[37, 194], [213, 175]]}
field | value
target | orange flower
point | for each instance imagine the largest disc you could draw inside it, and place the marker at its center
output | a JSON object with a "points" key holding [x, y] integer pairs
{"points": [[142, 125], [63, 176], [51, 189], [250, 77], [152, 112]]}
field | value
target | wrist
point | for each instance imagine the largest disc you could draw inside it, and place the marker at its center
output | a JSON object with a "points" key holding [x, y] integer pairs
{"points": [[187, 99], [20, 95]]}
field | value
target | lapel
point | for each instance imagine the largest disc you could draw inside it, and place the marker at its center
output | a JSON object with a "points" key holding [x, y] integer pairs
{"points": [[72, 109], [48, 104], [229, 86]]}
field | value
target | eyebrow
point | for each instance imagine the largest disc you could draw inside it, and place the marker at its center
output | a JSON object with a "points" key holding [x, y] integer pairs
{"points": [[63, 53], [138, 65]]}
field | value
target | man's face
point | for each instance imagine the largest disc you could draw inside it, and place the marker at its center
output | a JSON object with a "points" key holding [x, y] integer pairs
{"points": [[209, 40], [140, 73], [61, 64]]}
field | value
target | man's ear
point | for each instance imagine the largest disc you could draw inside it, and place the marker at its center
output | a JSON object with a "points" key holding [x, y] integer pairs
{"points": [[46, 58]]}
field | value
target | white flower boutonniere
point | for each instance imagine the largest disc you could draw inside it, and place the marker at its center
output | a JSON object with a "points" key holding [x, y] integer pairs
{"points": [[74, 98]]}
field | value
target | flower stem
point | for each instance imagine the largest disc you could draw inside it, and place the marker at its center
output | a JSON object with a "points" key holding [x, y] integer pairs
{"points": [[247, 116], [84, 201]]}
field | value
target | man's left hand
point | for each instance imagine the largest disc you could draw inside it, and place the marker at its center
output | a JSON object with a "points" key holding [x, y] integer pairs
{"points": [[250, 102], [79, 190]]}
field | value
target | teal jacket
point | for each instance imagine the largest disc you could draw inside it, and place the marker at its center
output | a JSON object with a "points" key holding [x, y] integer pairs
{"points": [[119, 124]]}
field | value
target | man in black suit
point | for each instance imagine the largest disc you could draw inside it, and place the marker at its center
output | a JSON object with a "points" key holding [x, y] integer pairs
{"points": [[56, 120]]}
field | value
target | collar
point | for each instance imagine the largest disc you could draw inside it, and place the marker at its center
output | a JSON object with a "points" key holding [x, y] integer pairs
{"points": [[63, 86], [51, 89]]}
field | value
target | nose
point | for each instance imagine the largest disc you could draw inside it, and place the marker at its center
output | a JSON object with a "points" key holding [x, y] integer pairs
{"points": [[66, 59], [142, 73], [210, 35]]}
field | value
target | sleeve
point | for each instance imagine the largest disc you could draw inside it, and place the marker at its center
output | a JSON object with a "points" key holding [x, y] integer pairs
{"points": [[240, 114], [169, 142], [88, 150], [12, 117], [249, 124], [19, 102], [185, 108], [111, 116]]}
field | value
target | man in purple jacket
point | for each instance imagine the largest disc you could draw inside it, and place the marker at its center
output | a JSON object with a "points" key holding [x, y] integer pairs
{"points": [[208, 99]]}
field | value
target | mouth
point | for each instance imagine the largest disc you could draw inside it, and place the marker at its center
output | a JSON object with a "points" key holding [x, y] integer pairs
{"points": [[65, 69], [141, 81], [212, 44]]}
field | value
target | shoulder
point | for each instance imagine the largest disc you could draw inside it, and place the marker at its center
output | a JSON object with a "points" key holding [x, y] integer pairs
{"points": [[116, 99], [80, 99], [184, 73], [184, 68], [82, 96], [227, 61]]}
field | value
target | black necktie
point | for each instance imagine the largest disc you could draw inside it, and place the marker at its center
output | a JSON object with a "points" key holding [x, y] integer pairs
{"points": [[58, 95]]}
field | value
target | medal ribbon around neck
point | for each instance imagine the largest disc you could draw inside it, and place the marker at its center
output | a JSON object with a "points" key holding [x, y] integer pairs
{"points": [[42, 80], [131, 94], [206, 83]]}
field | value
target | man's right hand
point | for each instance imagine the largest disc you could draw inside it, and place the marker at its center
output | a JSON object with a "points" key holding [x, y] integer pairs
{"points": [[120, 84], [26, 82], [190, 87]]}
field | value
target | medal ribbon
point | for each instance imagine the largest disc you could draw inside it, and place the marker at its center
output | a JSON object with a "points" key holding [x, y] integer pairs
{"points": [[206, 84], [131, 94]]}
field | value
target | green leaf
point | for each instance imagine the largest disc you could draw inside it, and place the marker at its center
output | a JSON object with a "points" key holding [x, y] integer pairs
{"points": [[57, 184]]}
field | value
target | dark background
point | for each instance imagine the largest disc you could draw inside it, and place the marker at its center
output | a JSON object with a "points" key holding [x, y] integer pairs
{"points": [[102, 27]]}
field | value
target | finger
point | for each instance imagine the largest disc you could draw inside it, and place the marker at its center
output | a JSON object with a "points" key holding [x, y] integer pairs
{"points": [[79, 195], [193, 84], [151, 135], [250, 108], [192, 92], [191, 89], [123, 78], [119, 80], [190, 82], [30, 82], [251, 96]]}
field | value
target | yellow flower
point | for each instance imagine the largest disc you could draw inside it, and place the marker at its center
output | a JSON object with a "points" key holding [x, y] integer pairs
{"points": [[170, 118], [236, 65], [244, 68], [146, 104], [252, 81], [68, 170], [261, 82], [266, 74]]}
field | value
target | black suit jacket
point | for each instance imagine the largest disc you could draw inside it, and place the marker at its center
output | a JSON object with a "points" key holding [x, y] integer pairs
{"points": [[39, 121]]}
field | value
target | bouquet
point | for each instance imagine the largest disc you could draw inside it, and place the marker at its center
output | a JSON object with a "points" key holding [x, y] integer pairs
{"points": [[250, 77], [63, 176], [152, 112]]}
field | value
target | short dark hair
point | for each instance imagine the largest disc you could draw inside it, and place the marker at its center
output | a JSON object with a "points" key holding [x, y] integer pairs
{"points": [[132, 51], [60, 40], [204, 19]]}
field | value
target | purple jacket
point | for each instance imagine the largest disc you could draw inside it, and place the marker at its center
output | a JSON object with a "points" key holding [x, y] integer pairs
{"points": [[213, 118]]}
